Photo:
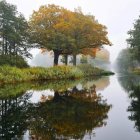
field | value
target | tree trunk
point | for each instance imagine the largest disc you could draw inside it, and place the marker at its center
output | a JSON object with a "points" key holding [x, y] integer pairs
{"points": [[66, 59], [3, 44], [56, 58], [74, 59], [6, 46], [57, 97]]}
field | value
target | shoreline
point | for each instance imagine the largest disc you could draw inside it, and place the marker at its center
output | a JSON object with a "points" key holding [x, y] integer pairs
{"points": [[13, 75]]}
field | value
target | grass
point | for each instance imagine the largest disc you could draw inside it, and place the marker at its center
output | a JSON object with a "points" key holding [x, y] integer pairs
{"points": [[10, 74], [89, 70]]}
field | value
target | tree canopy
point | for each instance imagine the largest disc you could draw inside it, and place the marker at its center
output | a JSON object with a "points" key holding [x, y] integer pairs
{"points": [[134, 39], [65, 32], [13, 31]]}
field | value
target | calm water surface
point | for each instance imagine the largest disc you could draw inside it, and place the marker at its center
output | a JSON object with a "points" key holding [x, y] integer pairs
{"points": [[104, 108]]}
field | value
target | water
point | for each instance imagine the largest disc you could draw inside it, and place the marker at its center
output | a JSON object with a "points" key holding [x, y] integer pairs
{"points": [[103, 108]]}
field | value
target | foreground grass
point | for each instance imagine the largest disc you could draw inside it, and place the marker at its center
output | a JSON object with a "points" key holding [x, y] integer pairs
{"points": [[13, 75]]}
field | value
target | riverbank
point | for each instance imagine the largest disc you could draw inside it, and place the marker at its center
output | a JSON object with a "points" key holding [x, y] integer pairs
{"points": [[13, 75]]}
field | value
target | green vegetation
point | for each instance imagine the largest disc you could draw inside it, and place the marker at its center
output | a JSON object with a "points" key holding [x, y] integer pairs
{"points": [[17, 61], [128, 61], [53, 28], [134, 40], [13, 75], [13, 31], [125, 63], [89, 70]]}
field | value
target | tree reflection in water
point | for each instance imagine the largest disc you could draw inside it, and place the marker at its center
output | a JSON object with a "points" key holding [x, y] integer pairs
{"points": [[131, 83], [70, 113], [134, 108], [13, 117]]}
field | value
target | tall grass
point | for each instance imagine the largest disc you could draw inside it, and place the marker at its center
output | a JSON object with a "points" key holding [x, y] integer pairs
{"points": [[10, 74], [89, 70]]}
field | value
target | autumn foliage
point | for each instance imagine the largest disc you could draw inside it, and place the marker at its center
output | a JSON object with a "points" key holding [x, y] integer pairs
{"points": [[66, 32]]}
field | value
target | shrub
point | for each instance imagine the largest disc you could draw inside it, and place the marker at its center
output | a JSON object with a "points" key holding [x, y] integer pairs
{"points": [[11, 60]]}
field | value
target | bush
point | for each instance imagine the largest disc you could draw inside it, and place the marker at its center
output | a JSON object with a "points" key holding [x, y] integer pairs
{"points": [[17, 61]]}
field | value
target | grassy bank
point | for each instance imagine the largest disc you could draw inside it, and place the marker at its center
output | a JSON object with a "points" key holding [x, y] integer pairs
{"points": [[13, 75]]}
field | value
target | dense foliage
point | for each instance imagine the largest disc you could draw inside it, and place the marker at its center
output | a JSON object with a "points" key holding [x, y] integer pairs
{"points": [[129, 58], [134, 41], [125, 62], [11, 60], [13, 31], [65, 32]]}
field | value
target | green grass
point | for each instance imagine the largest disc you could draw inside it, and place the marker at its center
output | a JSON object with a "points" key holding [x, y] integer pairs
{"points": [[89, 70], [10, 74]]}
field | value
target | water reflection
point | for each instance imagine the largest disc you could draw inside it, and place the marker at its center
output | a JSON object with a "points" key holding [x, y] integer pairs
{"points": [[13, 117], [131, 84], [70, 112], [68, 115]]}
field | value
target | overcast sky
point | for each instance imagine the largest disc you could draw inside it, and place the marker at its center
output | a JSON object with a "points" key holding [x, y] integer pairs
{"points": [[117, 15]]}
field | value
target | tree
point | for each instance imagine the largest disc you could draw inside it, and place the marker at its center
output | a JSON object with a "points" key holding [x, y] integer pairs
{"points": [[13, 31], [134, 39], [125, 61], [49, 28], [89, 34], [65, 32]]}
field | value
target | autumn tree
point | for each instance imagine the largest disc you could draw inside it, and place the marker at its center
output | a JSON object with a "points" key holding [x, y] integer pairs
{"points": [[89, 34], [70, 115], [65, 32], [50, 29]]}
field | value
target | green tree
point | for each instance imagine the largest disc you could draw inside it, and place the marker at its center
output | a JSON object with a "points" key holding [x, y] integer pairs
{"points": [[13, 31], [125, 61], [134, 39]]}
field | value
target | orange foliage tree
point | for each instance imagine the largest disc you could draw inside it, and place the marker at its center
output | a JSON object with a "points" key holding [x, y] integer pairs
{"points": [[65, 32]]}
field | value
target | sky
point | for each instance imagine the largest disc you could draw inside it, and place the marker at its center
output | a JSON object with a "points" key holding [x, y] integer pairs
{"points": [[117, 15]]}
